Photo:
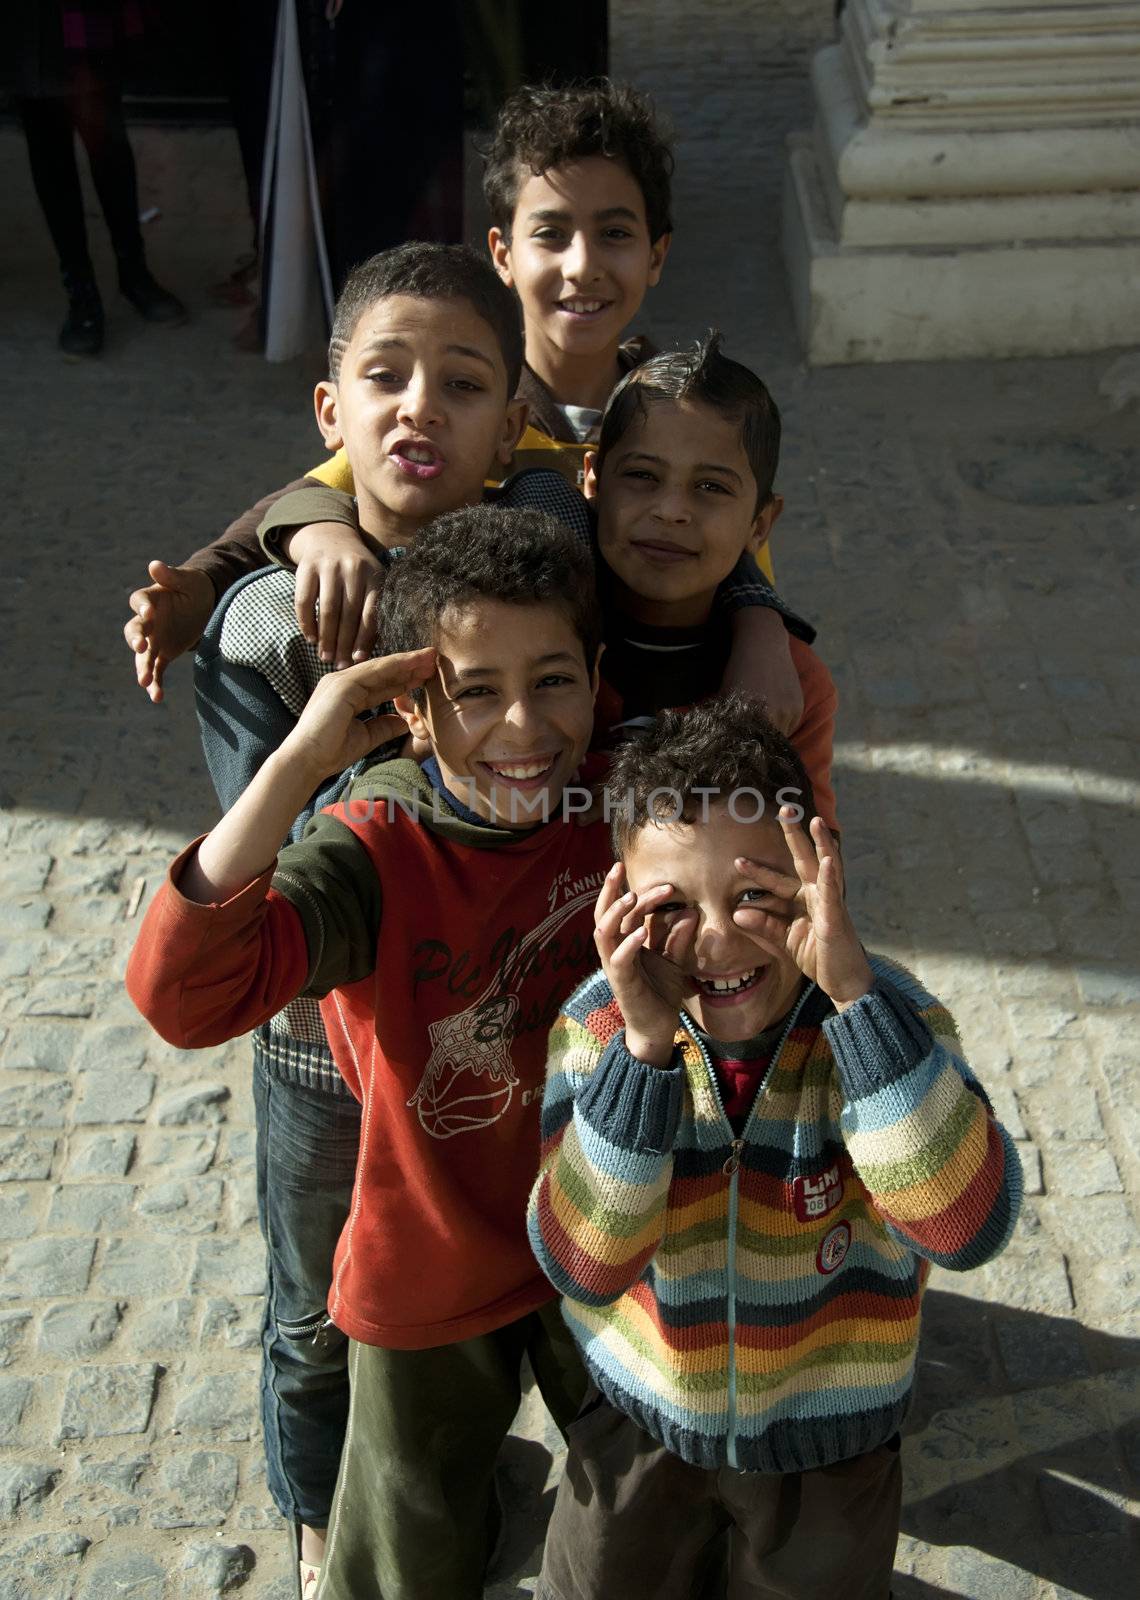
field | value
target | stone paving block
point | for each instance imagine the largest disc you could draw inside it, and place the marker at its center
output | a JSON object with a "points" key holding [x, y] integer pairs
{"points": [[221, 1404], [24, 1486], [984, 1577], [90, 1207], [1112, 1287], [163, 1325], [241, 1149], [40, 1105], [1036, 1279], [183, 1205], [24, 874], [40, 1046], [233, 1266], [1041, 1350], [25, 1157], [1033, 1020], [125, 1575], [105, 1401], [236, 1326], [80, 1329], [42, 1567], [122, 1048], [1064, 1108], [18, 1214], [196, 1102], [241, 1209], [217, 1568], [45, 1267], [1073, 1507], [60, 997], [114, 1096], [199, 1487], [100, 1155], [1080, 1169], [179, 1155], [14, 1396], [141, 1264], [74, 957], [1108, 985], [18, 957], [13, 1328], [117, 1475], [1031, 1168], [1098, 1226]]}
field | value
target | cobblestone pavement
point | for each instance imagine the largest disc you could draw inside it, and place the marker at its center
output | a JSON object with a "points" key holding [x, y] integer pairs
{"points": [[964, 537]]}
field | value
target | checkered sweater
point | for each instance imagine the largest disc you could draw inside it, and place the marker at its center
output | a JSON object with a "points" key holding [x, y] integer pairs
{"points": [[754, 1303]]}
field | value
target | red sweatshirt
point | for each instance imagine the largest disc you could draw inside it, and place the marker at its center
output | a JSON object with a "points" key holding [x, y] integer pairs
{"points": [[443, 952]]}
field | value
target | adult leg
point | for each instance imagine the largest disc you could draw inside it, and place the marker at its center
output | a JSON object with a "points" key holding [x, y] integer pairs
{"points": [[97, 109], [51, 156], [306, 1163], [829, 1534], [630, 1518], [413, 1517]]}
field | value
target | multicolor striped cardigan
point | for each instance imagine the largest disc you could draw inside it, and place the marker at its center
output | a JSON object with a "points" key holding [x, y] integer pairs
{"points": [[754, 1302]]}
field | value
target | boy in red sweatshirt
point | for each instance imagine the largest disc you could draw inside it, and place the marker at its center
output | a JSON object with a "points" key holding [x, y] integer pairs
{"points": [[442, 921]]}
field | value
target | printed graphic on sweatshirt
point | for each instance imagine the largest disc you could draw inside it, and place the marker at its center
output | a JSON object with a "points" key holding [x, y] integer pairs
{"points": [[470, 1079], [813, 1198]]}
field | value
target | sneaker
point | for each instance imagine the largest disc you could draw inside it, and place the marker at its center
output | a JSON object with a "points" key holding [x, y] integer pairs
{"points": [[82, 331], [149, 298]]}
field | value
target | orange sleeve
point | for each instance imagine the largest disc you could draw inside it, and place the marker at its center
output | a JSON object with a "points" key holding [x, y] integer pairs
{"points": [[814, 734], [202, 974]]}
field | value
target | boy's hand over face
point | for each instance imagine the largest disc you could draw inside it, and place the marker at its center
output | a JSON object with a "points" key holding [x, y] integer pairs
{"points": [[813, 924], [168, 618], [761, 665], [338, 591], [330, 737], [647, 983]]}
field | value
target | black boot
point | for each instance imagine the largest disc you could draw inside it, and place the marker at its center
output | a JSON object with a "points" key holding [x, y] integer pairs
{"points": [[82, 332], [149, 298]]}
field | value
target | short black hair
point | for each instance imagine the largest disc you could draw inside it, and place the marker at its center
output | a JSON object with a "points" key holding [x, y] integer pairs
{"points": [[431, 272], [486, 552], [541, 127], [688, 761], [702, 374]]}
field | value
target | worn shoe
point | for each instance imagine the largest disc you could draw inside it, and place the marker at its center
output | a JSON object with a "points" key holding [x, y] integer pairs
{"points": [[149, 298], [82, 331]]}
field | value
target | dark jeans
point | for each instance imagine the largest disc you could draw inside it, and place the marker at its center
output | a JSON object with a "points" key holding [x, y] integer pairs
{"points": [[633, 1520], [306, 1161], [50, 124]]}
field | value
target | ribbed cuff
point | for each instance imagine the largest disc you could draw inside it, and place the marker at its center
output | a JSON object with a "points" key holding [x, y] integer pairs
{"points": [[632, 1104], [878, 1039]]}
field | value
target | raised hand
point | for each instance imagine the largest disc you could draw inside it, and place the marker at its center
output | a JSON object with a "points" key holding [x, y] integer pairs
{"points": [[330, 736], [643, 963], [807, 915], [168, 617]]}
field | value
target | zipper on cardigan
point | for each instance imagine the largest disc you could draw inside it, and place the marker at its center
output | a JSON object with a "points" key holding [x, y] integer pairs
{"points": [[732, 1169]]}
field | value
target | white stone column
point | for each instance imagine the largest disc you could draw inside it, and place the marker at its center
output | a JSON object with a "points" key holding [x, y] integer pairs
{"points": [[972, 183]]}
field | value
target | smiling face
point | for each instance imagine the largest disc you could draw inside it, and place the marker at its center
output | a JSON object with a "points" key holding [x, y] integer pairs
{"points": [[676, 501], [510, 711], [421, 408], [580, 257], [738, 986]]}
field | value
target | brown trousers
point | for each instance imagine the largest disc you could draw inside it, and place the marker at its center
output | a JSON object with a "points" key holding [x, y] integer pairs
{"points": [[634, 1522]]}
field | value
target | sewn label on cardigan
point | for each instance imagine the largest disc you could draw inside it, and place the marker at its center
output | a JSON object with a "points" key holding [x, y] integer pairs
{"points": [[834, 1248], [815, 1197]]}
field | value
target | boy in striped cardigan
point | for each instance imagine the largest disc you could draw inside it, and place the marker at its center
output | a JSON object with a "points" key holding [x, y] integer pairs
{"points": [[756, 1137]]}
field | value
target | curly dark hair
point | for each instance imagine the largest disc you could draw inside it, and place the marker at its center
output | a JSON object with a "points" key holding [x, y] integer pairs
{"points": [[541, 127], [430, 271], [487, 552], [687, 761], [704, 374]]}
